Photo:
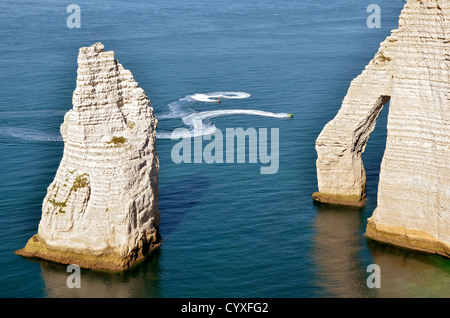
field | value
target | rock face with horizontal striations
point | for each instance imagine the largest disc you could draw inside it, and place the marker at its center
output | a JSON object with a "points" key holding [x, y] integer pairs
{"points": [[101, 210], [411, 69]]}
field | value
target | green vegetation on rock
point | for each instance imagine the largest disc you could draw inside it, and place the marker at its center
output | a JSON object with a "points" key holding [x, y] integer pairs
{"points": [[117, 141], [81, 181]]}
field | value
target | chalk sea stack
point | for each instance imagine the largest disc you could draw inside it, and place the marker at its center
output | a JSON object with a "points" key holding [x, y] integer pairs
{"points": [[101, 210], [411, 70]]}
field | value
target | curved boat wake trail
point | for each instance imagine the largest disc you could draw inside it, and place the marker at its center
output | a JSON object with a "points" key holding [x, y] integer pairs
{"points": [[197, 121]]}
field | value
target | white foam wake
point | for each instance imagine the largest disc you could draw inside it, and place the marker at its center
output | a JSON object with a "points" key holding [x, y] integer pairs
{"points": [[180, 108], [213, 97], [197, 121]]}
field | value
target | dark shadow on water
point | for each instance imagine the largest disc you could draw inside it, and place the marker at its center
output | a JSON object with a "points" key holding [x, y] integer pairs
{"points": [[177, 199]]}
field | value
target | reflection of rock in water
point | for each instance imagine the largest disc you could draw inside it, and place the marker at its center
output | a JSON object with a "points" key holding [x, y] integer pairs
{"points": [[141, 281], [410, 274], [337, 247]]}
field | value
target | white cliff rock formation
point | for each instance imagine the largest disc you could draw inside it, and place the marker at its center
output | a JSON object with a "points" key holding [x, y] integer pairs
{"points": [[101, 210], [411, 69]]}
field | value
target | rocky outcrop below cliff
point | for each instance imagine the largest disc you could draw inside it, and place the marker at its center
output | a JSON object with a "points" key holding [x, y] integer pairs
{"points": [[101, 210], [411, 70]]}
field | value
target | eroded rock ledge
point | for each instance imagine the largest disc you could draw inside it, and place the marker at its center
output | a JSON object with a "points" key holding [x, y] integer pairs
{"points": [[411, 69], [101, 210]]}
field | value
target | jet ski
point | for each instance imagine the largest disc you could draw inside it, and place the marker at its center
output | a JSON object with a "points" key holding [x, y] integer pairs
{"points": [[290, 115]]}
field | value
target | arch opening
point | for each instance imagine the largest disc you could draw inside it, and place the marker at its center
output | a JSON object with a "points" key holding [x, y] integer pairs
{"points": [[340, 171]]}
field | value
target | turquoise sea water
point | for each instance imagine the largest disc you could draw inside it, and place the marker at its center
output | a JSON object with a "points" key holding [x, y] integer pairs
{"points": [[227, 230]]}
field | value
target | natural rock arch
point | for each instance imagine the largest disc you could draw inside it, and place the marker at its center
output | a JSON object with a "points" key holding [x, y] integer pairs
{"points": [[412, 66], [340, 171]]}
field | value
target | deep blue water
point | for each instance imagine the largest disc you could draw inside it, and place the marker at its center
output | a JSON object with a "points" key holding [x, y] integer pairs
{"points": [[227, 230]]}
